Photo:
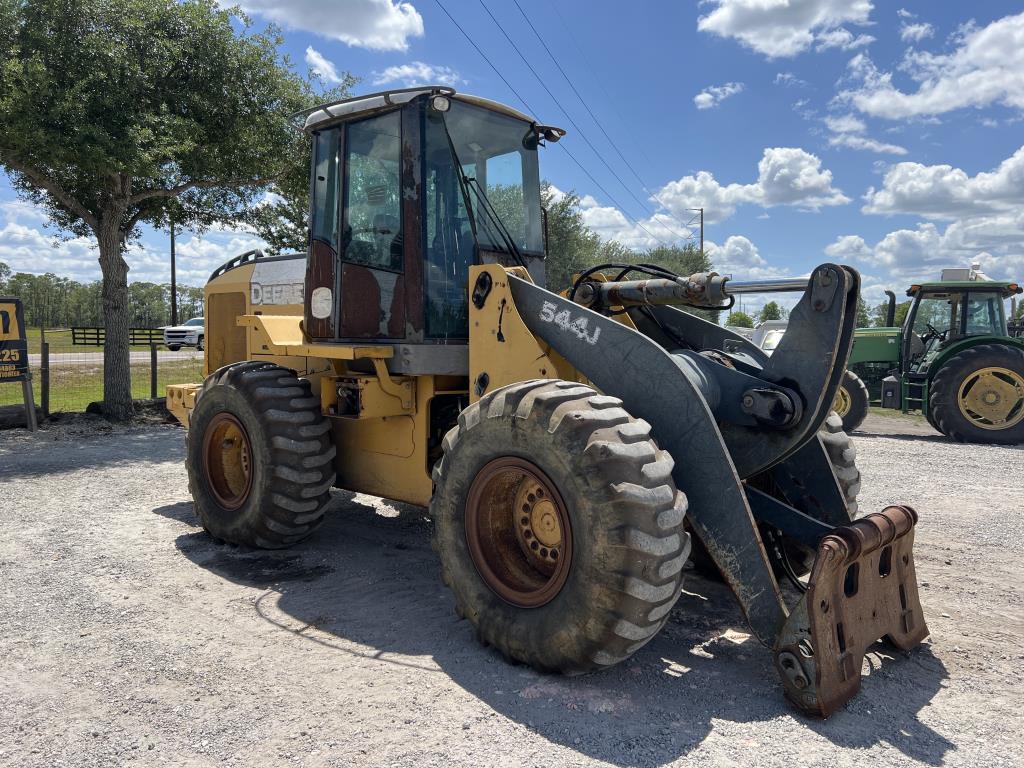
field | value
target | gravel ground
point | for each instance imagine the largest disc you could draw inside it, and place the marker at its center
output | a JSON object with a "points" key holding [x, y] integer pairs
{"points": [[130, 638]]}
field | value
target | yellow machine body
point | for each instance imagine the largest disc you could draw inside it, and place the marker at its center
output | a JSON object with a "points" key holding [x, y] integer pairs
{"points": [[382, 449]]}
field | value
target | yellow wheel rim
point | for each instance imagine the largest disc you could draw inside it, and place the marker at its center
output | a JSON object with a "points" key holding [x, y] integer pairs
{"points": [[842, 403], [992, 398]]}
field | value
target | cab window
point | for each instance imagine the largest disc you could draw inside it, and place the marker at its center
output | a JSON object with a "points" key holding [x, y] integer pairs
{"points": [[373, 192], [983, 314], [325, 187]]}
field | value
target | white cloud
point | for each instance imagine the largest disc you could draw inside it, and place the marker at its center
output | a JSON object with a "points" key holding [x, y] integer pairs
{"points": [[789, 79], [417, 73], [843, 39], [714, 95], [905, 255], [848, 131], [383, 25], [903, 13], [786, 176], [984, 69], [737, 255], [322, 66], [913, 33], [26, 246], [782, 28], [945, 192]]}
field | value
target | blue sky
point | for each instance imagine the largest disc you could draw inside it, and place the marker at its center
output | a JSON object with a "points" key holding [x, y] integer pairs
{"points": [[887, 136]]}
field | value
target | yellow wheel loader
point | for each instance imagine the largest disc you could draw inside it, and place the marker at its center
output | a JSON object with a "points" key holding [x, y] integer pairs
{"points": [[566, 445]]}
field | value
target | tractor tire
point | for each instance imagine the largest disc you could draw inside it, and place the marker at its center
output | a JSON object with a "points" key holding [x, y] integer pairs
{"points": [[852, 401], [259, 456], [558, 526], [842, 454], [978, 395]]}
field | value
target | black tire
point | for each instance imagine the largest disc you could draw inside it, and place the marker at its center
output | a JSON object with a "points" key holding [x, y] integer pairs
{"points": [[290, 456], [174, 347], [623, 511], [943, 397], [842, 453], [199, 343], [857, 393]]}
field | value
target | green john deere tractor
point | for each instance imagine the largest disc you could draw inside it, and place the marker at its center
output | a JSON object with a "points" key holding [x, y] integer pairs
{"points": [[953, 359]]}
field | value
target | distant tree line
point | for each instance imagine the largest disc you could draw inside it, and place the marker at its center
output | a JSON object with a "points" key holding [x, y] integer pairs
{"points": [[59, 302]]}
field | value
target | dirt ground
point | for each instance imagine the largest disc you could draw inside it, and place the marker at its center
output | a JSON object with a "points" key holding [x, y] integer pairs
{"points": [[130, 638]]}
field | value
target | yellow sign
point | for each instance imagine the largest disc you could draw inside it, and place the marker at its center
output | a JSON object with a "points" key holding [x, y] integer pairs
{"points": [[13, 346]]}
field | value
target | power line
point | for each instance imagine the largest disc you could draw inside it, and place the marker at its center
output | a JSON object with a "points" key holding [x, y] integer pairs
{"points": [[572, 122], [532, 111], [590, 112], [590, 67], [579, 97]]}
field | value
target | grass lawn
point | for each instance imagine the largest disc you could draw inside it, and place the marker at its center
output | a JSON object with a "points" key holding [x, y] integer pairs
{"points": [[73, 387], [891, 413]]}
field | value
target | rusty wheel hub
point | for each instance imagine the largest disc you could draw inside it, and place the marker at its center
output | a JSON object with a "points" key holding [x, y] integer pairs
{"points": [[227, 455], [518, 533]]}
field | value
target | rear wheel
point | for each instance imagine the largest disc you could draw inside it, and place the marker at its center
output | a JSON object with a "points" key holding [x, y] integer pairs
{"points": [[852, 400], [559, 529], [260, 458], [978, 395], [199, 344]]}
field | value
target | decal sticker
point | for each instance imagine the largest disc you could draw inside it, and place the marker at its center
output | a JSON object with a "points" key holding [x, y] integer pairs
{"points": [[549, 313]]}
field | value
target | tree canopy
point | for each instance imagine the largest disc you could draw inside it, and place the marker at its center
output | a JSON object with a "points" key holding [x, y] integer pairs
{"points": [[110, 110], [770, 311], [739, 320]]}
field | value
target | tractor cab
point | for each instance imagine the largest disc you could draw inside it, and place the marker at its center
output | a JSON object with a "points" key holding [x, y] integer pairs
{"points": [[948, 312], [409, 189]]}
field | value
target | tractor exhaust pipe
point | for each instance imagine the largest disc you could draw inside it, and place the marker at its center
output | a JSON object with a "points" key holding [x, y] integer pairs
{"points": [[890, 313]]}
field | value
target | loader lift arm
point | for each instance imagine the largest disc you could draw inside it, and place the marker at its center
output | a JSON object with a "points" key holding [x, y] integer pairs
{"points": [[709, 416]]}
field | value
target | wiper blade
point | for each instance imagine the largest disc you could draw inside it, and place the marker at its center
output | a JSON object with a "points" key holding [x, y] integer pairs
{"points": [[495, 219], [491, 217]]}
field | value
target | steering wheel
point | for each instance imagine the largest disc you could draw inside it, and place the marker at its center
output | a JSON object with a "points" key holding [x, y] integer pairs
{"points": [[933, 333]]}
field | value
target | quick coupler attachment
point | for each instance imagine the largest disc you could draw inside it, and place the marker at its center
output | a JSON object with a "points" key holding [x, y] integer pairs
{"points": [[862, 588]]}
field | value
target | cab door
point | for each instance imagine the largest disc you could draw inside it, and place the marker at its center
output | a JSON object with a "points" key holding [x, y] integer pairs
{"points": [[372, 278]]}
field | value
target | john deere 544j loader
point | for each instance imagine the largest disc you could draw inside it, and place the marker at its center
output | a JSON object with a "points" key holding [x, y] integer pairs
{"points": [[558, 441]]}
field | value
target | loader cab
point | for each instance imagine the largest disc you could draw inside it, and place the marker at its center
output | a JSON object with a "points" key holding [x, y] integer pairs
{"points": [[943, 313], [409, 189]]}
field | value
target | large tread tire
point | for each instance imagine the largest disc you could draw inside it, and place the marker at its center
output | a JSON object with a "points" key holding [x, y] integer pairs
{"points": [[842, 453], [944, 391], [857, 392], [292, 455], [625, 515]]}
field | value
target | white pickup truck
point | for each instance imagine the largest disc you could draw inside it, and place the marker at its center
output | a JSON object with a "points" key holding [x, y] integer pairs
{"points": [[191, 334]]}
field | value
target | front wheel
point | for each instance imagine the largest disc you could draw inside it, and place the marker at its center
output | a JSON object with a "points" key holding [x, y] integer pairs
{"points": [[174, 347], [978, 395], [260, 458], [851, 401], [558, 526]]}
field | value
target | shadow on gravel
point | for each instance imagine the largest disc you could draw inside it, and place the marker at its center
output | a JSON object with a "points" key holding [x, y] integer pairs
{"points": [[367, 585], [54, 453]]}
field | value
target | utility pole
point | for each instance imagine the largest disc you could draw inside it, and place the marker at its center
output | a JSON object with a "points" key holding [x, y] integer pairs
{"points": [[174, 282], [701, 231]]}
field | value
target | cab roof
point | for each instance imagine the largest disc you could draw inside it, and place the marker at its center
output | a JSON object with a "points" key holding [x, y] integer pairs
{"points": [[975, 286], [313, 119]]}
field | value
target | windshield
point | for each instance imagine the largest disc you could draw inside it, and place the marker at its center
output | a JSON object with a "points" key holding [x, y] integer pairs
{"points": [[771, 340], [496, 168], [195, 321], [499, 158], [983, 314]]}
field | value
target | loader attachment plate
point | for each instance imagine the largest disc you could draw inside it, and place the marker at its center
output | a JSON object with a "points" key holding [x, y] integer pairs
{"points": [[862, 588]]}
